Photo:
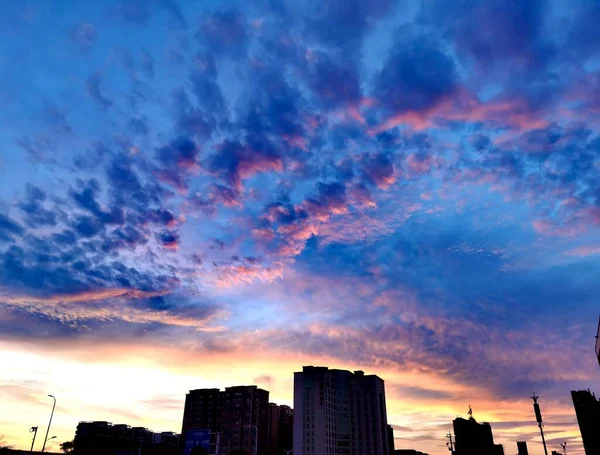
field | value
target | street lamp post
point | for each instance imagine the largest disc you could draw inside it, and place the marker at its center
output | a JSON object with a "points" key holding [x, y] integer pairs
{"points": [[50, 422], [564, 446], [34, 431]]}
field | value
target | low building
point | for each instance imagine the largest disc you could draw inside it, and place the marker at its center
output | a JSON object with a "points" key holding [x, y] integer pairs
{"points": [[104, 438], [522, 448], [473, 438]]}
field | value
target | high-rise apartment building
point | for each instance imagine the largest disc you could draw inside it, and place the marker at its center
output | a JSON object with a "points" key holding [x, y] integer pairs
{"points": [[202, 410], [273, 432], [281, 419], [245, 419], [522, 448], [237, 417], [338, 412], [285, 435], [587, 409], [391, 443]]}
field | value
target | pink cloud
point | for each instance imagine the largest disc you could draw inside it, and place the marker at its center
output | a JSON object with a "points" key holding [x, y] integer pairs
{"points": [[263, 233], [466, 107], [548, 228], [296, 141], [583, 251], [360, 196], [242, 274], [420, 164], [108, 305]]}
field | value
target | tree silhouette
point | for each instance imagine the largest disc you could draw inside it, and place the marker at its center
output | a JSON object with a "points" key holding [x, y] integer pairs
{"points": [[68, 446], [4, 446]]}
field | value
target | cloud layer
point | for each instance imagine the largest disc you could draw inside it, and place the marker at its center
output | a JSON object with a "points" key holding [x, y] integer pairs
{"points": [[408, 188]]}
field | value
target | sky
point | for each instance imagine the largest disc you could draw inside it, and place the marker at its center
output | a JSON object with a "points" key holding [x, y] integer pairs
{"points": [[207, 194]]}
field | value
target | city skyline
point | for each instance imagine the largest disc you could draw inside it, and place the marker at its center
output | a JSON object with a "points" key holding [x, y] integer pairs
{"points": [[208, 194], [231, 390]]}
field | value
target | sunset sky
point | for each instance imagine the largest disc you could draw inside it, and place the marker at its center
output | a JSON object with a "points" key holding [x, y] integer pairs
{"points": [[205, 194]]}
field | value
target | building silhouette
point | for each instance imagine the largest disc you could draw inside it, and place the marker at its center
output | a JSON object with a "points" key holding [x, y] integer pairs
{"points": [[556, 452], [104, 438], [202, 410], [407, 452], [238, 418], [391, 443], [472, 438], [587, 409], [522, 448], [280, 432], [598, 342], [338, 412]]}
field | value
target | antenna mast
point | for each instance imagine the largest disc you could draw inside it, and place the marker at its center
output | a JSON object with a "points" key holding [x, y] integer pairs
{"points": [[538, 418]]}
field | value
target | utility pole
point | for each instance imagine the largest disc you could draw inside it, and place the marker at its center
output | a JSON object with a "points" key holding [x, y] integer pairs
{"points": [[450, 444], [538, 418], [34, 431]]}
